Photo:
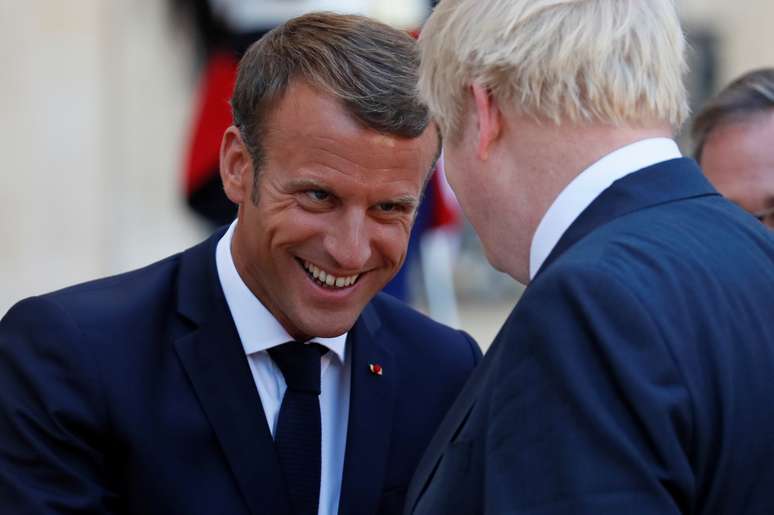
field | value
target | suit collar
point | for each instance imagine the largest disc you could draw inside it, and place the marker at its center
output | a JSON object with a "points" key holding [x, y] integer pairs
{"points": [[588, 185], [214, 360], [668, 181], [197, 283]]}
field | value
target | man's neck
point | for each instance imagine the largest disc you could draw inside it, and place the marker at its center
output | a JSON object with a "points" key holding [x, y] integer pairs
{"points": [[551, 156]]}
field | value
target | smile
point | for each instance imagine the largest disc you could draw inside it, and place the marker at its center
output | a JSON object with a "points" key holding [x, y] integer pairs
{"points": [[326, 279]]}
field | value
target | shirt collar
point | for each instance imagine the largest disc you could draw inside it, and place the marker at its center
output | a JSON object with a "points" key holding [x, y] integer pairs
{"points": [[588, 185], [256, 326]]}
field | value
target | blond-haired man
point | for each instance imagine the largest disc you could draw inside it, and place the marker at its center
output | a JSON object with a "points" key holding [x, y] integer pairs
{"points": [[634, 374]]}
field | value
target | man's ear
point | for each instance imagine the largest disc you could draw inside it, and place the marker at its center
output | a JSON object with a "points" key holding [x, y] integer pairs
{"points": [[488, 119], [236, 166]]}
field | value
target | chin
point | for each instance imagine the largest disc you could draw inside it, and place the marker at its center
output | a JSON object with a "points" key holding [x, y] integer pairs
{"points": [[328, 328], [506, 266], [492, 258]]}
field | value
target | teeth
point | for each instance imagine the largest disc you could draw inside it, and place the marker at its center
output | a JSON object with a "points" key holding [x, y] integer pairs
{"points": [[327, 279]]}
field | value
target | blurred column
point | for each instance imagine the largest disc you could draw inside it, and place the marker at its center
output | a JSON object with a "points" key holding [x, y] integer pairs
{"points": [[149, 76], [94, 100], [52, 207]]}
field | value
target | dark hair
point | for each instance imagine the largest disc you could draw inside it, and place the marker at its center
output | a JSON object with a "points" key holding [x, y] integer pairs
{"points": [[749, 95], [369, 66]]}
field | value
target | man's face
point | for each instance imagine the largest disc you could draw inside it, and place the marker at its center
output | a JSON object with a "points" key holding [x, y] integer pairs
{"points": [[460, 164], [335, 201], [489, 201], [738, 158]]}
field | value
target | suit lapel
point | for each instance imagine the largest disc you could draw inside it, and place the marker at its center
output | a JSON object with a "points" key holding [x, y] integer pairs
{"points": [[370, 418], [214, 360], [450, 426], [663, 182]]}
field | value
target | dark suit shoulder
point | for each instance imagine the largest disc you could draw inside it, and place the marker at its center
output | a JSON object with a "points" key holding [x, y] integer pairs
{"points": [[660, 321], [120, 292], [106, 321], [702, 242]]}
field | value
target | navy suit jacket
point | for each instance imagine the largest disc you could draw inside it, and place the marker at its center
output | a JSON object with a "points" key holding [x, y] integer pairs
{"points": [[133, 395], [635, 375]]}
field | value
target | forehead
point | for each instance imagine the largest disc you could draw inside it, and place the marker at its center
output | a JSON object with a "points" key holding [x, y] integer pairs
{"points": [[738, 158], [308, 127], [741, 150]]}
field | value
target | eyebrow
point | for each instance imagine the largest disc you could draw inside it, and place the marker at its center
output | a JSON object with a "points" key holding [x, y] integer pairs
{"points": [[404, 200], [307, 183]]}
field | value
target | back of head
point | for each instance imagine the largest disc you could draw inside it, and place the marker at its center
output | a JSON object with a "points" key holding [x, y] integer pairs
{"points": [[750, 95], [370, 67], [618, 62]]}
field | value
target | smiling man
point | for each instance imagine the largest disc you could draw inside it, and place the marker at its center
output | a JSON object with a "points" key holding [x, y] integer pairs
{"points": [[324, 225], [259, 372]]}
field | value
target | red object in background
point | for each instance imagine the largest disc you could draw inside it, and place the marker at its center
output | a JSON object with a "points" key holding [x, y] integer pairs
{"points": [[213, 116], [445, 208]]}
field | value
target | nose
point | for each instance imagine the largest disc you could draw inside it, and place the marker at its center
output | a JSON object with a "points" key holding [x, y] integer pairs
{"points": [[348, 242]]}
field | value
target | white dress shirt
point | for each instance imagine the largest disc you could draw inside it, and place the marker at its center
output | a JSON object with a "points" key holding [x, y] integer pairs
{"points": [[587, 186], [260, 331]]}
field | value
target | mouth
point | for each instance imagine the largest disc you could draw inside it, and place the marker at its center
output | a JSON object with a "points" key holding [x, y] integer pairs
{"points": [[325, 279]]}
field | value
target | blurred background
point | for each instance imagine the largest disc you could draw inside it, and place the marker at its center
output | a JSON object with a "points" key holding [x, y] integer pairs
{"points": [[101, 102]]}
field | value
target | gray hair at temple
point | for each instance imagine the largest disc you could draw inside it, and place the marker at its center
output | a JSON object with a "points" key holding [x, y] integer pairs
{"points": [[748, 96], [369, 66]]}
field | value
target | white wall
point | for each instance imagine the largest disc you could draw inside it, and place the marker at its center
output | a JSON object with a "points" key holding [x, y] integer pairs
{"points": [[745, 29], [93, 106]]}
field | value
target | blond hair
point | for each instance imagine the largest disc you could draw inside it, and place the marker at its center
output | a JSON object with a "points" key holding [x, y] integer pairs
{"points": [[583, 61]]}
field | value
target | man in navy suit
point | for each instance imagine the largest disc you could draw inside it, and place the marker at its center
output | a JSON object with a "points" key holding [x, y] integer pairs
{"points": [[634, 375], [258, 372]]}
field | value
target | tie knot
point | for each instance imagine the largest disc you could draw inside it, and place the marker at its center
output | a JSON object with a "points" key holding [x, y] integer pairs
{"points": [[300, 365]]}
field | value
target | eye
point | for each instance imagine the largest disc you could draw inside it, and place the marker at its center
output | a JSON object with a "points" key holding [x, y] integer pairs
{"points": [[394, 209], [318, 195], [388, 207]]}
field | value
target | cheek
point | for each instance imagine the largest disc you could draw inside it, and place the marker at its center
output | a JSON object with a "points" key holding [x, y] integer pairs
{"points": [[457, 177], [391, 241], [294, 226], [451, 168]]}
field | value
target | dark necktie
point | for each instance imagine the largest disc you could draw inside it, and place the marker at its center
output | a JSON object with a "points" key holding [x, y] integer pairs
{"points": [[298, 437]]}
